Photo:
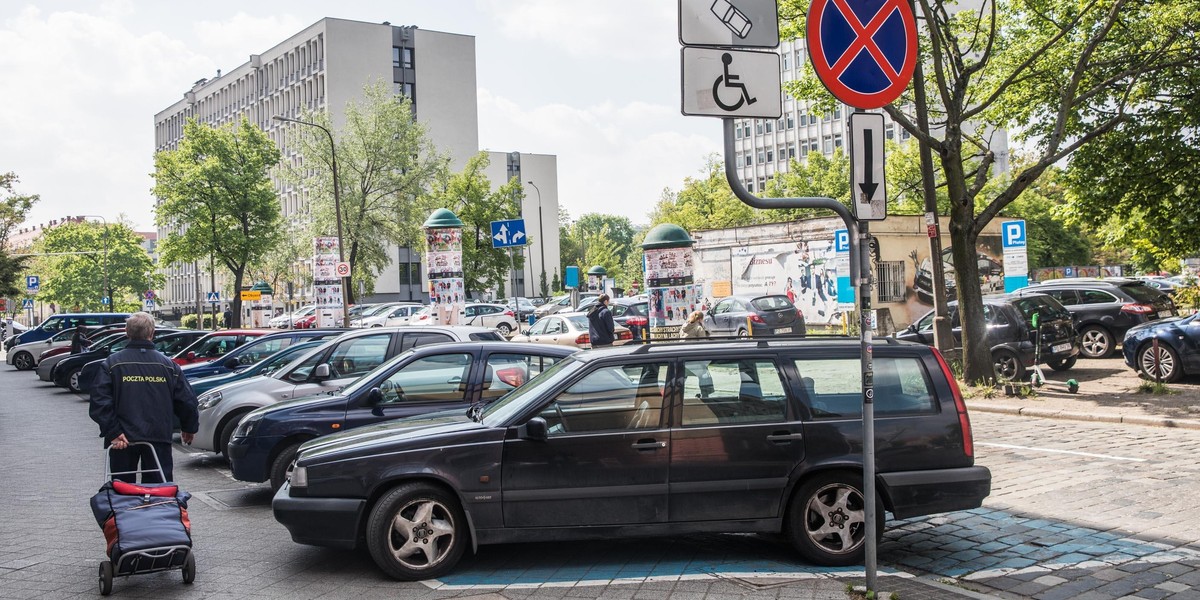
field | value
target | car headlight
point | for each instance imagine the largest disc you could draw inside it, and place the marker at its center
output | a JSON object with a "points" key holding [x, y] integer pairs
{"points": [[299, 477], [246, 428], [208, 400]]}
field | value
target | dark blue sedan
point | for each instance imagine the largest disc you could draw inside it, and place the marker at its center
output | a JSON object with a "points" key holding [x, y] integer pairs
{"points": [[255, 350], [1178, 348]]}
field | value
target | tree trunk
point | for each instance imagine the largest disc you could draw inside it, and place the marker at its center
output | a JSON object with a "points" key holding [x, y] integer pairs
{"points": [[348, 293], [235, 301]]}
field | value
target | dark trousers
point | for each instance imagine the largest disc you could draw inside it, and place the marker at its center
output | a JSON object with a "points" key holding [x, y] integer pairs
{"points": [[129, 458]]}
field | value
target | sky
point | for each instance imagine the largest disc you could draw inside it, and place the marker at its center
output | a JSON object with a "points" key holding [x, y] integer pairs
{"points": [[595, 83]]}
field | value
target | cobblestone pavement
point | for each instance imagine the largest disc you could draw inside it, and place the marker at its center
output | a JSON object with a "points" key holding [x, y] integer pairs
{"points": [[1078, 510]]}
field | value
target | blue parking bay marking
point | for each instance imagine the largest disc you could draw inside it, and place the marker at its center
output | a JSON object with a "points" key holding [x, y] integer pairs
{"points": [[578, 564], [984, 543]]}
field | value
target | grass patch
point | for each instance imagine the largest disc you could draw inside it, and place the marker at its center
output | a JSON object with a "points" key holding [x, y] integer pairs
{"points": [[1155, 389]]}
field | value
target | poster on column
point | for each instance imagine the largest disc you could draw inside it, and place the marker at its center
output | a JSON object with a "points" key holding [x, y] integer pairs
{"points": [[672, 292], [327, 286], [444, 271]]}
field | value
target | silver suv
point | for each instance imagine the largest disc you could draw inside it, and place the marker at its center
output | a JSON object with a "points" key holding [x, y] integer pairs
{"points": [[324, 370]]}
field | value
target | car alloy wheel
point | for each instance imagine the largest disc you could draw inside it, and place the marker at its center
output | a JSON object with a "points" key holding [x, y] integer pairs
{"points": [[1095, 342], [1167, 367], [827, 520], [504, 329], [417, 531], [23, 361], [73, 382], [1008, 367]]}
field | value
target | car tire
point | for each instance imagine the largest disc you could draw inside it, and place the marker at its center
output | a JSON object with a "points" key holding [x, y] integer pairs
{"points": [[281, 467], [1062, 364], [826, 520], [73, 381], [1096, 342], [1168, 362], [1007, 366], [226, 434], [505, 329], [431, 537], [23, 361], [742, 333]]}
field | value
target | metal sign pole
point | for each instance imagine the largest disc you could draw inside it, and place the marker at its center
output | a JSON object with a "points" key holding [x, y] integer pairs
{"points": [[868, 413]]}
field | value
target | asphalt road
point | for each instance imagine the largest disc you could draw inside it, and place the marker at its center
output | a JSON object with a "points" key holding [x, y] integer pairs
{"points": [[1078, 510]]}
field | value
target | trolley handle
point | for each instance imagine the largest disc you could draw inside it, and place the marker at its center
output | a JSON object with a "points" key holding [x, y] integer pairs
{"points": [[108, 472]]}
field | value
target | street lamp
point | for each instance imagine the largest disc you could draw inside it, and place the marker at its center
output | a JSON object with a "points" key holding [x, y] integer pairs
{"points": [[337, 209], [106, 289], [541, 240]]}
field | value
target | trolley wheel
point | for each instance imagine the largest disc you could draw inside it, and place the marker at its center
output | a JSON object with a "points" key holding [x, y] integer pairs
{"points": [[106, 577], [189, 568]]}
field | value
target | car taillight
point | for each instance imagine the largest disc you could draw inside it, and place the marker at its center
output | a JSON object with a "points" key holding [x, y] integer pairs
{"points": [[625, 335], [1137, 309], [583, 339], [637, 321], [509, 313], [754, 318], [964, 421]]}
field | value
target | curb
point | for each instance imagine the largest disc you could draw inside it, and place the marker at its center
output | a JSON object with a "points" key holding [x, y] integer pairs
{"points": [[1048, 413]]}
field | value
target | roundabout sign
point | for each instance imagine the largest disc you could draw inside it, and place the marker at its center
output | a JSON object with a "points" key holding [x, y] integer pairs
{"points": [[864, 51]]}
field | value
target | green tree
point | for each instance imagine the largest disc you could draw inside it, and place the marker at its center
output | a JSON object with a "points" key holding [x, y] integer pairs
{"points": [[14, 208], [817, 175], [1061, 73], [217, 199], [704, 202], [280, 265], [107, 253], [469, 195], [1052, 239], [386, 167]]}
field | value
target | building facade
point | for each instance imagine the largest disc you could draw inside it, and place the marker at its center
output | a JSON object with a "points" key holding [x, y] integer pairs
{"points": [[322, 68]]}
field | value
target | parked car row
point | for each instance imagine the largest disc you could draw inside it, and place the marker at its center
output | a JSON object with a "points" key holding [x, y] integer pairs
{"points": [[466, 438]]}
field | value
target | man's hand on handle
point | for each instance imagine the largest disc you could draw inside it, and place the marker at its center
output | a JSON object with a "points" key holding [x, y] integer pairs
{"points": [[120, 442], [187, 437]]}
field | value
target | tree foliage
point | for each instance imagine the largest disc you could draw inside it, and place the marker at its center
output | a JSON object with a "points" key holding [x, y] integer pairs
{"points": [[113, 255], [704, 202], [14, 208], [597, 239], [469, 195], [1052, 239], [386, 166], [216, 198], [1061, 73]]}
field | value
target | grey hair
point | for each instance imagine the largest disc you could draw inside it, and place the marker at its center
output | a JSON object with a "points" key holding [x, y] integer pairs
{"points": [[139, 326]]}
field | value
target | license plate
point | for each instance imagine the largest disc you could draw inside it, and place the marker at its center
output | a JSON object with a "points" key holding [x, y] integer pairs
{"points": [[783, 330], [1060, 348], [1162, 314]]}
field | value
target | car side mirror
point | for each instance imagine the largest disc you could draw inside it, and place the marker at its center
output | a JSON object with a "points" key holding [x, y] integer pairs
{"points": [[534, 429], [231, 363], [374, 396], [191, 356], [322, 371]]}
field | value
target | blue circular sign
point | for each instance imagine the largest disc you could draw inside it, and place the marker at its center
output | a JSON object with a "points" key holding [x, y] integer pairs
{"points": [[864, 51]]}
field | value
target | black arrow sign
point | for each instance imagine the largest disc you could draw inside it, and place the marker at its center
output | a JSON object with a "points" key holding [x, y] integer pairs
{"points": [[868, 185]]}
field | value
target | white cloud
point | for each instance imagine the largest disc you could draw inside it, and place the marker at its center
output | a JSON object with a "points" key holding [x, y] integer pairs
{"points": [[615, 28], [611, 158], [230, 42]]}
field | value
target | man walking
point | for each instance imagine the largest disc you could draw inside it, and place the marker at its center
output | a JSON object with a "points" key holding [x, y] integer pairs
{"points": [[135, 397], [601, 328]]}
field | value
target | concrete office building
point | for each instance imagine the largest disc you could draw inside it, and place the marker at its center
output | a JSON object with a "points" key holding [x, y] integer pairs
{"points": [[321, 69], [766, 147]]}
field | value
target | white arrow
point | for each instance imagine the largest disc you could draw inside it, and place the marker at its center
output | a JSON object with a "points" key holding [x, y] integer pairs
{"points": [[503, 235], [517, 235]]}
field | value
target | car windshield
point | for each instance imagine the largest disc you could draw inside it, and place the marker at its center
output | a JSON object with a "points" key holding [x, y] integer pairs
{"points": [[1141, 292], [771, 303], [378, 309], [504, 408]]}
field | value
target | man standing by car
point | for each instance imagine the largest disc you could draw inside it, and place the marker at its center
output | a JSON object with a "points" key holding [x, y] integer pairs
{"points": [[601, 328], [135, 397]]}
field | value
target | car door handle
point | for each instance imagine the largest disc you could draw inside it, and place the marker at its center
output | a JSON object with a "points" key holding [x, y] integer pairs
{"points": [[784, 437], [649, 445]]}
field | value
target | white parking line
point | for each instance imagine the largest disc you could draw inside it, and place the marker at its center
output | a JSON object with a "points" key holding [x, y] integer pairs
{"points": [[1055, 451]]}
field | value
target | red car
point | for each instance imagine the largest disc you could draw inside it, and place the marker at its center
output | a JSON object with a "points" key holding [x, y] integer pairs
{"points": [[308, 322], [216, 345]]}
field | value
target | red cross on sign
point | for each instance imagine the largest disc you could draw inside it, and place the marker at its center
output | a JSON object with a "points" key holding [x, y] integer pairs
{"points": [[864, 51]]}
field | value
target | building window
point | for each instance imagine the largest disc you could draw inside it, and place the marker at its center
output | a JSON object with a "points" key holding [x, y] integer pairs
{"points": [[803, 120], [904, 134], [739, 160], [758, 127], [890, 275], [750, 186], [781, 152], [749, 159], [837, 140], [791, 121], [791, 151], [828, 146], [395, 57], [762, 183], [762, 157], [812, 145], [787, 61], [769, 125], [406, 58], [737, 131], [837, 112], [890, 133], [770, 156]]}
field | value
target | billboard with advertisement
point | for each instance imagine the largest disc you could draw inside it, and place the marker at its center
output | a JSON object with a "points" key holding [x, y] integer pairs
{"points": [[671, 290], [803, 271], [327, 286]]}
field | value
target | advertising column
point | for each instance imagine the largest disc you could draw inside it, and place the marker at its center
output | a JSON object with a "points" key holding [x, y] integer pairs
{"points": [[670, 287], [327, 286], [444, 270], [595, 279]]}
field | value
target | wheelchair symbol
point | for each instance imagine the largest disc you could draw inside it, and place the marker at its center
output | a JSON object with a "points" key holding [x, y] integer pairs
{"points": [[731, 81]]}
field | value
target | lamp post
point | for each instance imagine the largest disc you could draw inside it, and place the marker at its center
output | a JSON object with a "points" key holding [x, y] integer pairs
{"points": [[541, 240], [337, 208], [106, 289]]}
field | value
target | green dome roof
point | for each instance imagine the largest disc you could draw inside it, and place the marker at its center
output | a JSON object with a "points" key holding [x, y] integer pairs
{"points": [[598, 270], [262, 286], [442, 218], [667, 235]]}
